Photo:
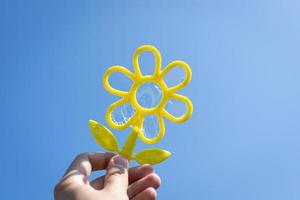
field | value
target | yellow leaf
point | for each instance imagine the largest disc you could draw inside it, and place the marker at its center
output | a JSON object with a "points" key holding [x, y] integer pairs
{"points": [[103, 136], [152, 156]]}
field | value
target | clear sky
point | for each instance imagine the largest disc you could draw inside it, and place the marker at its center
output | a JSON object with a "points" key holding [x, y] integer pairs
{"points": [[242, 141]]}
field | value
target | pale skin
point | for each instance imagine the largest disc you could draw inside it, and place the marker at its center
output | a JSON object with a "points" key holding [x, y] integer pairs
{"points": [[119, 183]]}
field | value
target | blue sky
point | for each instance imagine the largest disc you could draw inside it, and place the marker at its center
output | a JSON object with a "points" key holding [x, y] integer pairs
{"points": [[242, 141]]}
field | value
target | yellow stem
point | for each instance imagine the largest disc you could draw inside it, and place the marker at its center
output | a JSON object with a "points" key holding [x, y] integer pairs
{"points": [[129, 145]]}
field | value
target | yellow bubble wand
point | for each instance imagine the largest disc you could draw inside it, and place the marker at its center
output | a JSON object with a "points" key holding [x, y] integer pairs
{"points": [[106, 138]]}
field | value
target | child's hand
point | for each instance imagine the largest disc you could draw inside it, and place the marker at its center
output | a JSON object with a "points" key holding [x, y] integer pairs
{"points": [[119, 183]]}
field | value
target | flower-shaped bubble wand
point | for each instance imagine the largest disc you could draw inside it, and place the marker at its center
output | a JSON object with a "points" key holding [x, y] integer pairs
{"points": [[106, 138]]}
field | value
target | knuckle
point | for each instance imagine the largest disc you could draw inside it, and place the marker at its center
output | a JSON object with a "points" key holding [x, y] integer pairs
{"points": [[80, 156]]}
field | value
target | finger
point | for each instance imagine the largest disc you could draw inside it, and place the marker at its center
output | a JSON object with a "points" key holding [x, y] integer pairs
{"points": [[152, 180], [84, 164], [135, 173], [138, 172], [147, 194], [116, 178]]}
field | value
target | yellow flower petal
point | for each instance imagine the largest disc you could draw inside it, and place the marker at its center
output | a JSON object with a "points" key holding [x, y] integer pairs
{"points": [[186, 115], [119, 69], [188, 72], [156, 54], [159, 136], [109, 115]]}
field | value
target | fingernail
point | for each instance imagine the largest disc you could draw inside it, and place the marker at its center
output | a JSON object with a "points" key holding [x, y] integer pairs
{"points": [[119, 161]]}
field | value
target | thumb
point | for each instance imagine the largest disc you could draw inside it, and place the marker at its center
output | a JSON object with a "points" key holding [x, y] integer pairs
{"points": [[116, 178]]}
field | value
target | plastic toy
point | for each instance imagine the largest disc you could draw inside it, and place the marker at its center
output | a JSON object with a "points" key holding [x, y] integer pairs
{"points": [[106, 138]]}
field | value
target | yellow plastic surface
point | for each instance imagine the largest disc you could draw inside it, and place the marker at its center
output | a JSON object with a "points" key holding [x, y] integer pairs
{"points": [[103, 135]]}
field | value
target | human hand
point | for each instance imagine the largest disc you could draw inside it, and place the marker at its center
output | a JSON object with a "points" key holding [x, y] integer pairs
{"points": [[119, 183]]}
